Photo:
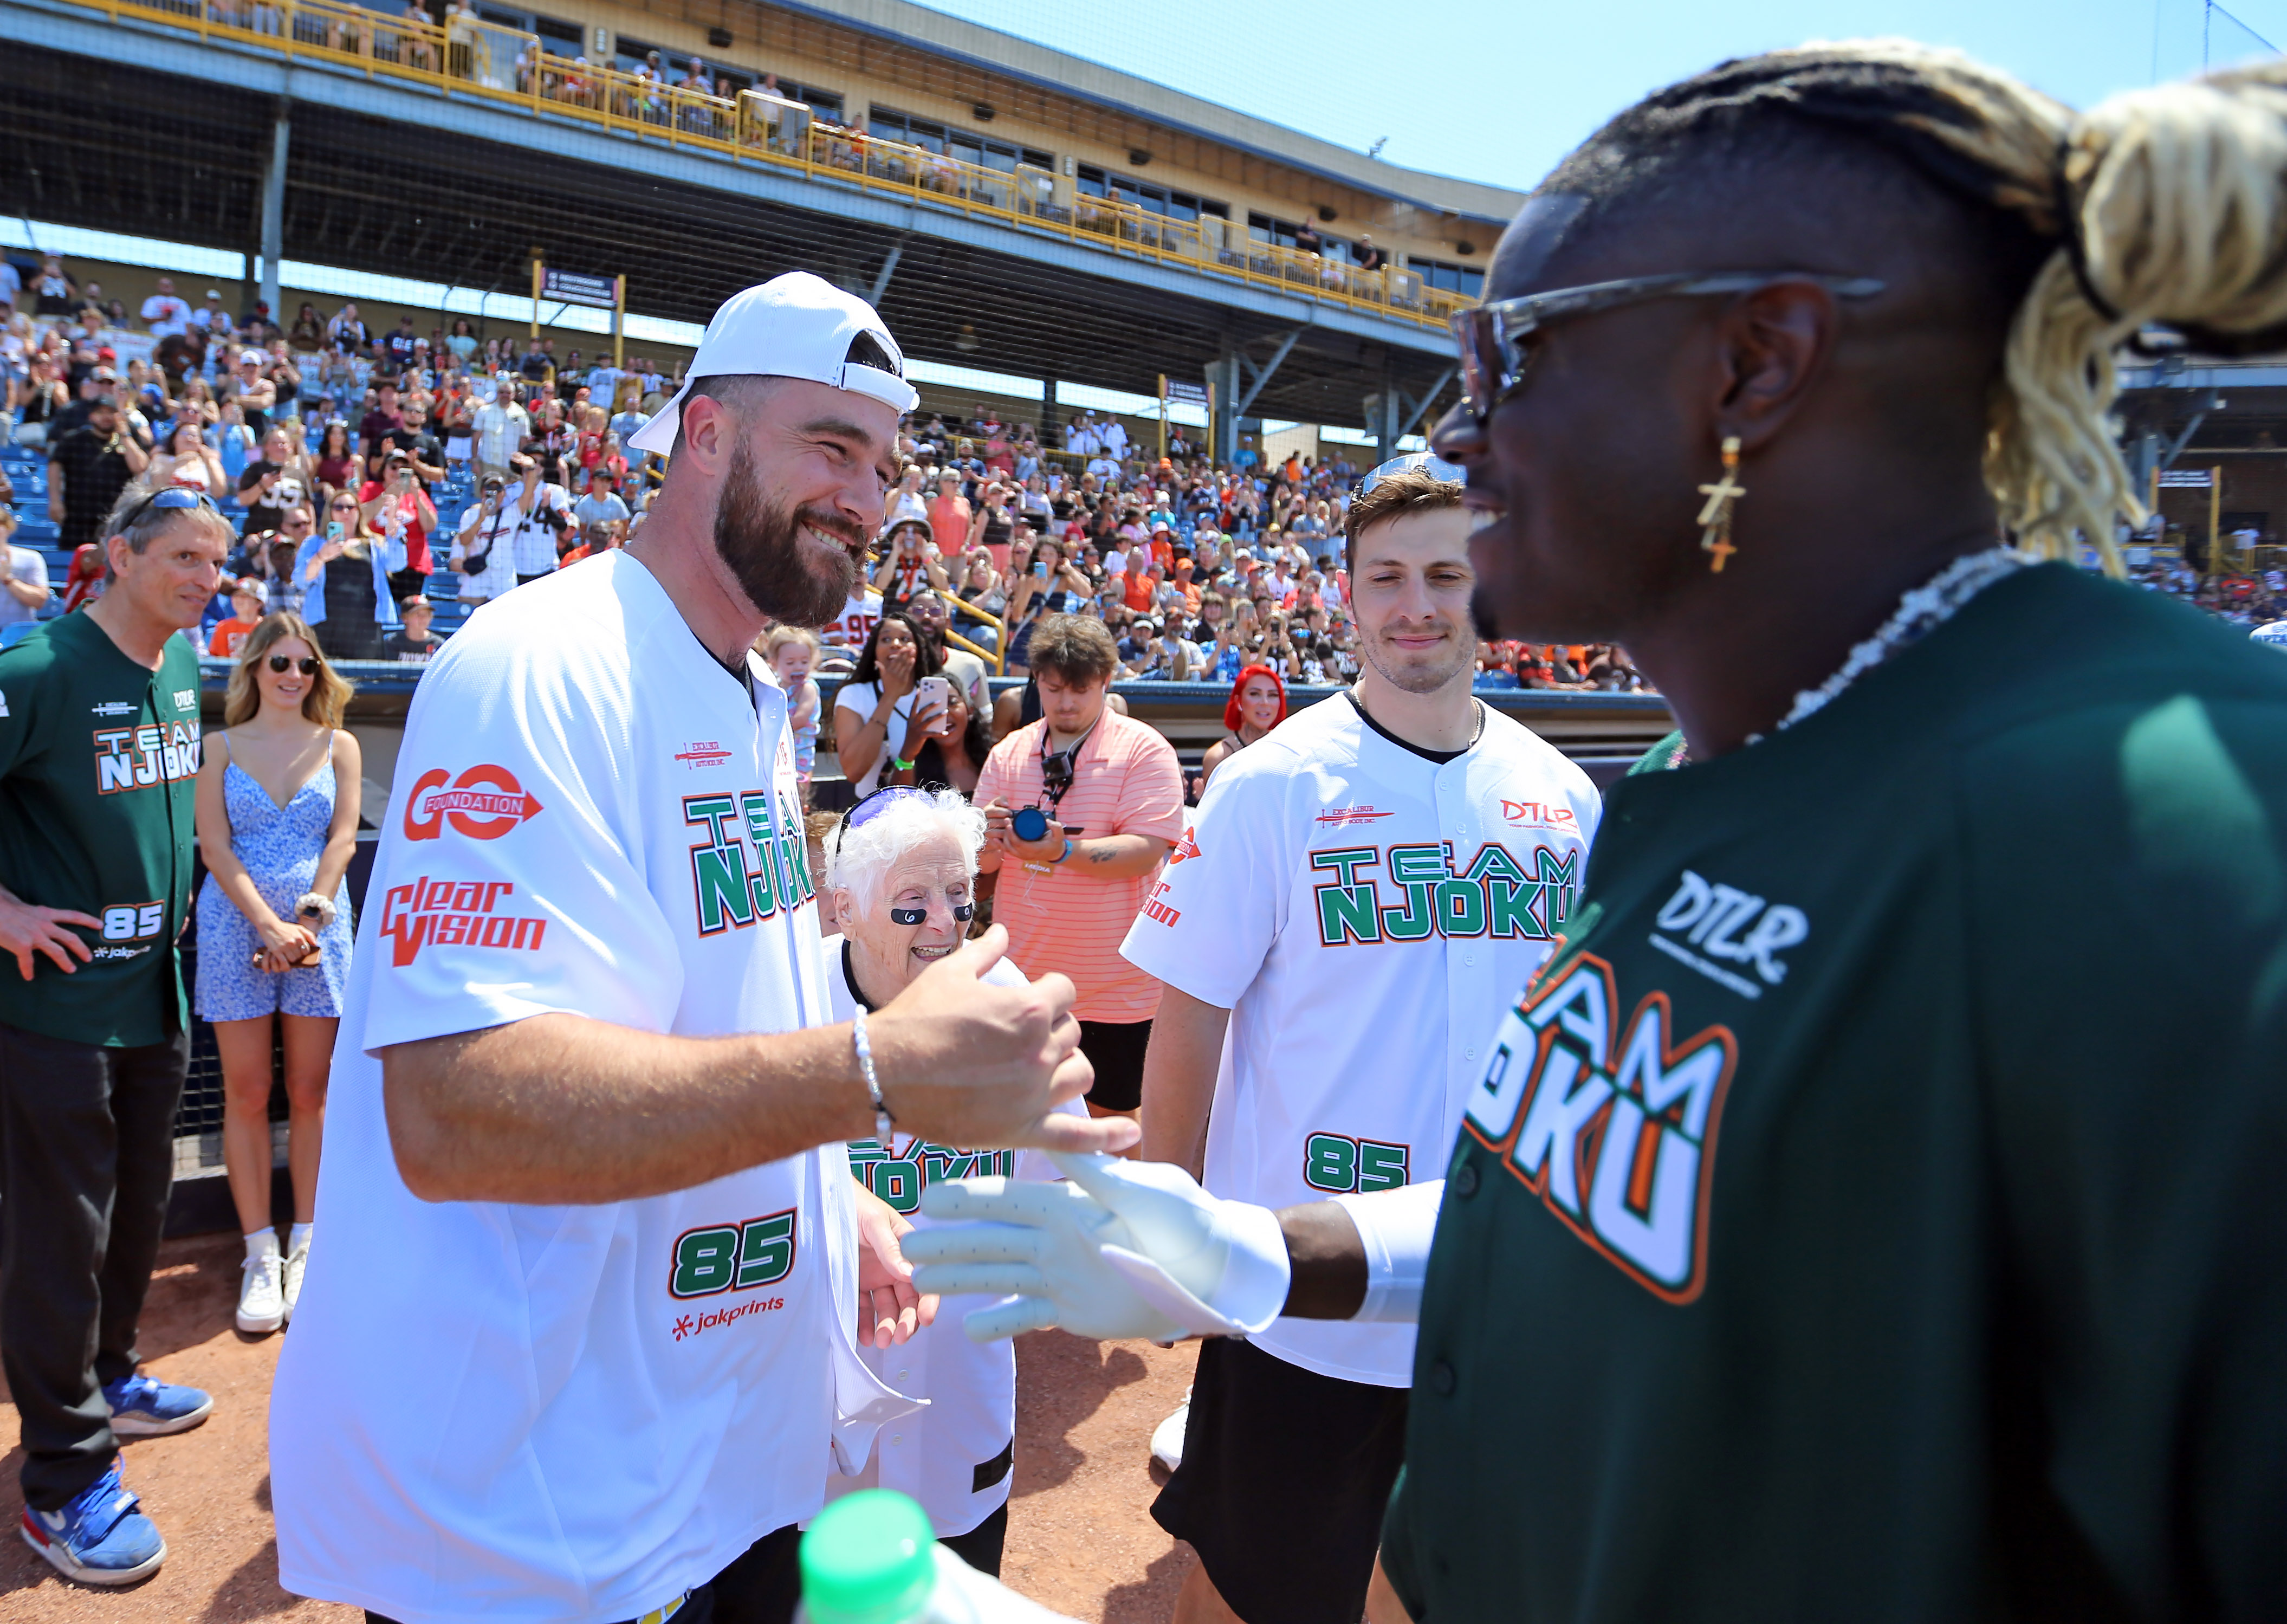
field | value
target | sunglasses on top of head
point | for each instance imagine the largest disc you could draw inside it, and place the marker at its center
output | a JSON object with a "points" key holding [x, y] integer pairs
{"points": [[173, 498], [280, 664], [1494, 359]]}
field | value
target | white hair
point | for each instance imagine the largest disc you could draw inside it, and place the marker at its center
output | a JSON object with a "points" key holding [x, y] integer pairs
{"points": [[858, 859]]}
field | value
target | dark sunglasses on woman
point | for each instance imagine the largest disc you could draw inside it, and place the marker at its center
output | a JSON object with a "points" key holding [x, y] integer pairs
{"points": [[280, 663]]}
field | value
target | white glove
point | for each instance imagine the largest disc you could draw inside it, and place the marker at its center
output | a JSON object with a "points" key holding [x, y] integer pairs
{"points": [[1128, 1248]]}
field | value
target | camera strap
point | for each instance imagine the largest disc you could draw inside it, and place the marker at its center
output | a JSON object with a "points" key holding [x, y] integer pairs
{"points": [[1056, 780]]}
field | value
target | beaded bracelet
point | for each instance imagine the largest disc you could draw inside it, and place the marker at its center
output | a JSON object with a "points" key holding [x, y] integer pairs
{"points": [[882, 1126]]}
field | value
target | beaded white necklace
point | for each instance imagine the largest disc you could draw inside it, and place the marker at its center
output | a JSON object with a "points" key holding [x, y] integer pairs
{"points": [[1919, 613]]}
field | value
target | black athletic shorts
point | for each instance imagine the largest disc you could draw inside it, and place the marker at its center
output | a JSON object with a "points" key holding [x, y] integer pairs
{"points": [[1285, 1477], [1116, 1049]]}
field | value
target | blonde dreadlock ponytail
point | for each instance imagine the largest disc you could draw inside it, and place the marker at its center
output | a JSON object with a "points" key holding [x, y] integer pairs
{"points": [[2173, 206]]}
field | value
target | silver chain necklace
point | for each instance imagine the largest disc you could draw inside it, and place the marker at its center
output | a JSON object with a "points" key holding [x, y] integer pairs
{"points": [[1919, 613]]}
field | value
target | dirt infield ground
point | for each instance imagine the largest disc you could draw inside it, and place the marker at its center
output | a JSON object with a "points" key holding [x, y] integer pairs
{"points": [[1079, 1536]]}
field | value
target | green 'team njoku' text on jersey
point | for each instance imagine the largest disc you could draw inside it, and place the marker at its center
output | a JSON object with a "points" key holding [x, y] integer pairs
{"points": [[751, 864], [1419, 893], [900, 1178]]}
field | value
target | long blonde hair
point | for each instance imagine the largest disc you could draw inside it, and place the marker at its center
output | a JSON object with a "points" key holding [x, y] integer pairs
{"points": [[328, 696], [2162, 207]]}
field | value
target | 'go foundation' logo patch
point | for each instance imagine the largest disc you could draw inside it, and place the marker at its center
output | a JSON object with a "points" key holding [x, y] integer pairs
{"points": [[484, 802], [1613, 1126]]}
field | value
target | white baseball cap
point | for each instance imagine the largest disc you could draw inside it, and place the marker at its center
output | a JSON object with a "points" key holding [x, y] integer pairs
{"points": [[798, 326]]}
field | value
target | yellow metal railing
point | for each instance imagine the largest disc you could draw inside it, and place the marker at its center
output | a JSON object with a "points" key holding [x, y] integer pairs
{"points": [[506, 66], [999, 656]]}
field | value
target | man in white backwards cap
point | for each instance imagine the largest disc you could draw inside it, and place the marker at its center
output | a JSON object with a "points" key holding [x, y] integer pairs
{"points": [[594, 1258]]}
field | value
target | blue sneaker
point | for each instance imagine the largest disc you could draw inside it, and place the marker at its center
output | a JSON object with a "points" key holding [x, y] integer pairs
{"points": [[100, 1538], [141, 1407]]}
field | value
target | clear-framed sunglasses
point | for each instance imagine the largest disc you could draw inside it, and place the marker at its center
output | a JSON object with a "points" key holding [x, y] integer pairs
{"points": [[1494, 358]]}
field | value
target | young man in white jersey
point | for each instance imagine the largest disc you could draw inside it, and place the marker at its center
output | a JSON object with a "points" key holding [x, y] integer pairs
{"points": [[1356, 889], [578, 1346]]}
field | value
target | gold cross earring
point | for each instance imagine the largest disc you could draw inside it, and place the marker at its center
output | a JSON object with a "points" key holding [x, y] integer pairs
{"points": [[1715, 515]]}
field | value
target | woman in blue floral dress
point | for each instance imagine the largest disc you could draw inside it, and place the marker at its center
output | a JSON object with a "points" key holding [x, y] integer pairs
{"points": [[277, 821]]}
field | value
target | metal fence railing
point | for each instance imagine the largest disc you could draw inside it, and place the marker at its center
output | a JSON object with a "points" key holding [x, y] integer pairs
{"points": [[504, 66]]}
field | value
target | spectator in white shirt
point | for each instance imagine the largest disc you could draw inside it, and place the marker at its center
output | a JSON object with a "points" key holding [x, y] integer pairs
{"points": [[24, 587], [1114, 438], [214, 320], [487, 540], [165, 314], [906, 502], [544, 513], [501, 426]]}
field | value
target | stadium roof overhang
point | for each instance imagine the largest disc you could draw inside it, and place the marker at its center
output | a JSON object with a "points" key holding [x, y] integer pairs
{"points": [[126, 128]]}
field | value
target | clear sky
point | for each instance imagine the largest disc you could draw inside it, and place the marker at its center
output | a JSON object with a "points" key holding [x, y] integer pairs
{"points": [[1499, 89]]}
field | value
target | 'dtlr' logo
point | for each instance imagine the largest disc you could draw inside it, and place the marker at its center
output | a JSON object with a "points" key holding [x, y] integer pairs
{"points": [[1614, 1129], [484, 802]]}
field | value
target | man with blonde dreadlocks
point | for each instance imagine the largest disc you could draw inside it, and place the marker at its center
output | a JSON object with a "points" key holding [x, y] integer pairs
{"points": [[1870, 1211]]}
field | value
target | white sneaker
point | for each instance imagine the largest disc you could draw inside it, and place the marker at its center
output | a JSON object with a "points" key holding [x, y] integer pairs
{"points": [[298, 1261], [1167, 1436], [262, 1294]]}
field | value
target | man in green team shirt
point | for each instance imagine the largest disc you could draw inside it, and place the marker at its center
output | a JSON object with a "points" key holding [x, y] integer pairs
{"points": [[99, 752], [1871, 1209]]}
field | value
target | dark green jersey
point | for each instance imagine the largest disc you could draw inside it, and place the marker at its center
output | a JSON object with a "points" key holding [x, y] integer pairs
{"points": [[98, 757], [1872, 1211]]}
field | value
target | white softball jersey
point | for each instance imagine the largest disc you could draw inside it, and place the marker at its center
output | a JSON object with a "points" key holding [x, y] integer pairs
{"points": [[493, 1411], [1364, 911], [957, 1456], [860, 612]]}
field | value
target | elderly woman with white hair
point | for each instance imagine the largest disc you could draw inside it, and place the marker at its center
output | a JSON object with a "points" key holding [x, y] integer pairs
{"points": [[901, 870]]}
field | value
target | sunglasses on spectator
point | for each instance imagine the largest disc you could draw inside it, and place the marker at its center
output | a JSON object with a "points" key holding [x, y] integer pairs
{"points": [[280, 664]]}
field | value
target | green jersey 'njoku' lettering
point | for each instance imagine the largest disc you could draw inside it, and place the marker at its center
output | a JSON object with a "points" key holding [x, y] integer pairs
{"points": [[1870, 1210], [98, 762]]}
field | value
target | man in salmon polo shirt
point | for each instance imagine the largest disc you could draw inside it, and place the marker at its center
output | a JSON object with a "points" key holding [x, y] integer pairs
{"points": [[1080, 807]]}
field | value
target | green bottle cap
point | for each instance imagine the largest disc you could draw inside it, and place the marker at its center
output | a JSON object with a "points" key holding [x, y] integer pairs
{"points": [[869, 1558]]}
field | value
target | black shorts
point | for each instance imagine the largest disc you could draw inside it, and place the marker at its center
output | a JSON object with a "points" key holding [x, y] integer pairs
{"points": [[1116, 1049], [1285, 1477]]}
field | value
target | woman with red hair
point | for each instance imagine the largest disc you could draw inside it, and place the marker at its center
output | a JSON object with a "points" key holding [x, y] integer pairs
{"points": [[84, 582], [1256, 705]]}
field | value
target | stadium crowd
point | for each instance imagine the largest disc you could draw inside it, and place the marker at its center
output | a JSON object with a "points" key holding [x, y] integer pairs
{"points": [[1197, 567]]}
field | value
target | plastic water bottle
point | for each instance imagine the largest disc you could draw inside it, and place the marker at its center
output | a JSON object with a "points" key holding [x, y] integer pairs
{"points": [[871, 1558]]}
